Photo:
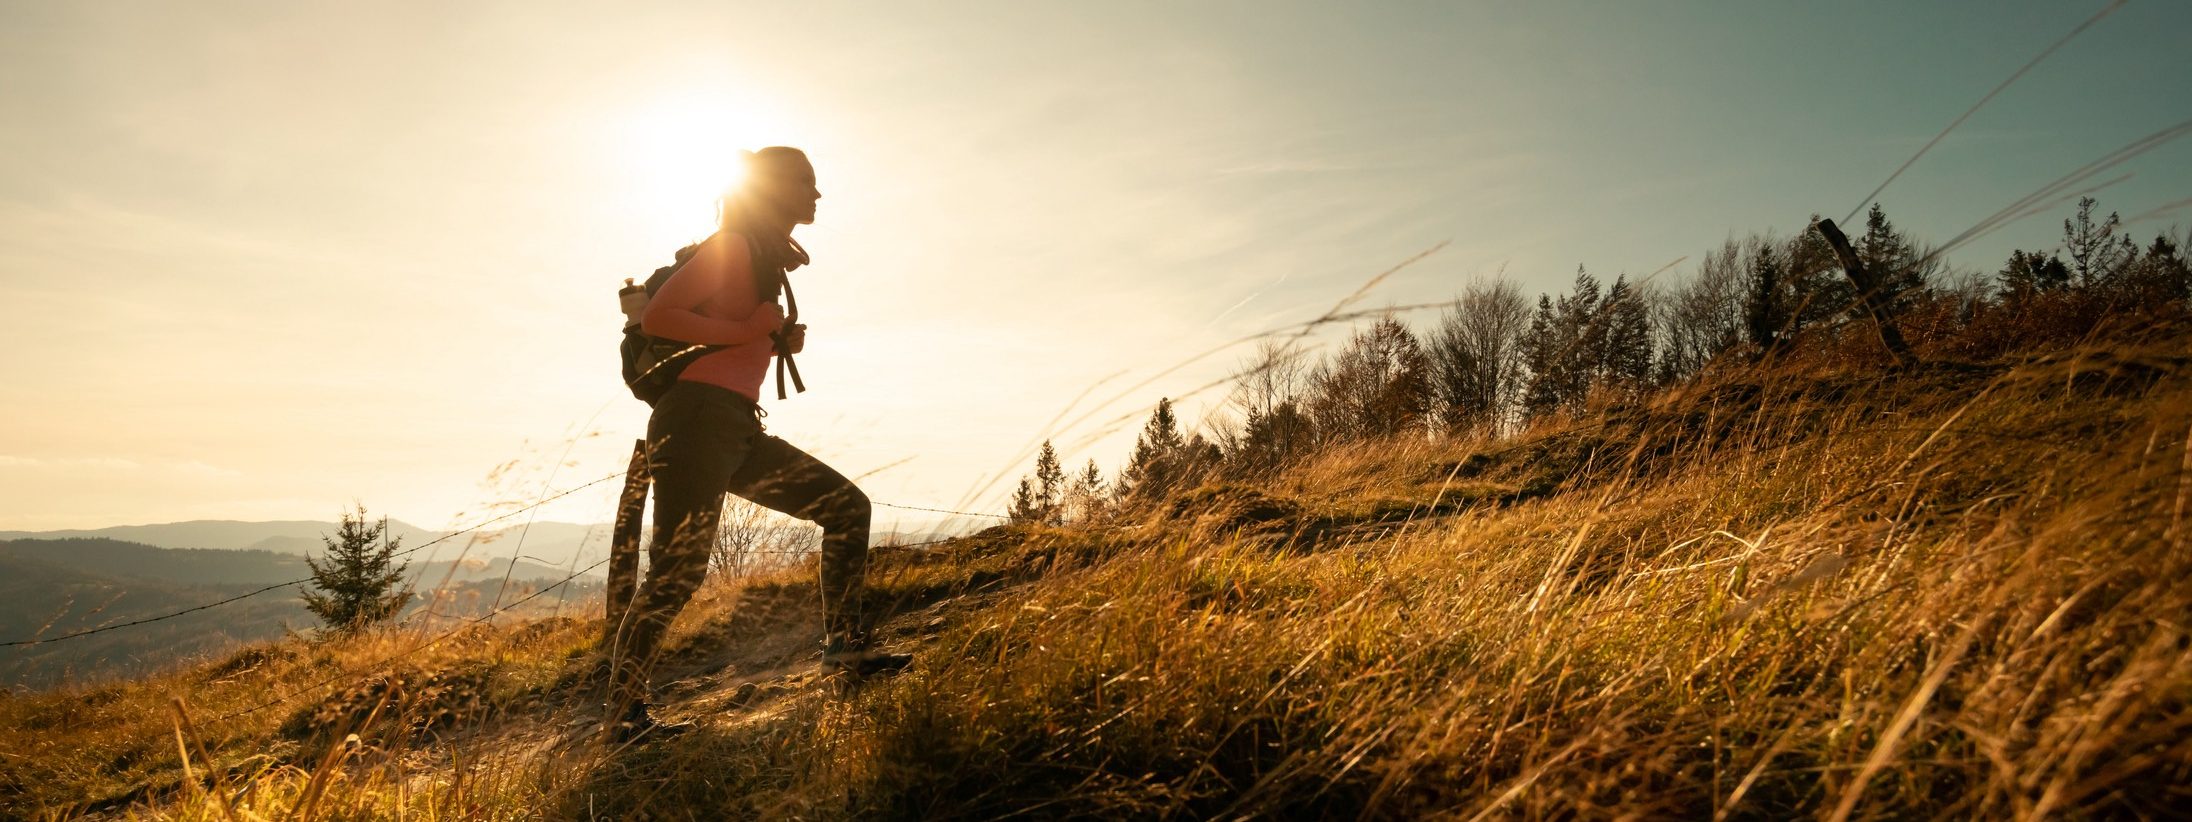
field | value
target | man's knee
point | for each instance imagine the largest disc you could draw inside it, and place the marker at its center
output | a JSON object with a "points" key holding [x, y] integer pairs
{"points": [[845, 508]]}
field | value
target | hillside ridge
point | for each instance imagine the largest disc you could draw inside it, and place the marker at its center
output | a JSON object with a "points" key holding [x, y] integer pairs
{"points": [[1770, 593]]}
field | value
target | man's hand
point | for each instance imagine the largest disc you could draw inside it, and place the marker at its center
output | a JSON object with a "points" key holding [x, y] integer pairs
{"points": [[769, 316], [795, 337]]}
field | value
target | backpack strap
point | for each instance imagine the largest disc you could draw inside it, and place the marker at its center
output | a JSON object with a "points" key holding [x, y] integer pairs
{"points": [[770, 267], [782, 339]]}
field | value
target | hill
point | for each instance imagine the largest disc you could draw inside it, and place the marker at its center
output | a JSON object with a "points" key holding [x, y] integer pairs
{"points": [[40, 597], [1795, 591], [136, 561], [219, 534], [54, 587], [549, 542]]}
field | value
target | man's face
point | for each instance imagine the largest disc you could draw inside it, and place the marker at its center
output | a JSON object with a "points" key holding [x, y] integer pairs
{"points": [[800, 193]]}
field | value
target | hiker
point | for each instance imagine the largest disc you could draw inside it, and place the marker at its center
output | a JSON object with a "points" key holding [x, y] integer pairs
{"points": [[706, 438]]}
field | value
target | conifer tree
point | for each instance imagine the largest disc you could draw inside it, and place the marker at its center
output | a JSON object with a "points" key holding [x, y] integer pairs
{"points": [[1626, 359], [1270, 439], [1585, 322], [2161, 273], [1815, 288], [1902, 269], [1765, 310], [2097, 253], [1040, 497], [1540, 346], [2028, 273], [1195, 461], [1091, 480], [1050, 479], [357, 582], [1151, 471], [1567, 348], [1027, 503]]}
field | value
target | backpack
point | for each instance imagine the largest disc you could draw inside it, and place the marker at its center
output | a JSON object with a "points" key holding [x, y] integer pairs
{"points": [[651, 364]]}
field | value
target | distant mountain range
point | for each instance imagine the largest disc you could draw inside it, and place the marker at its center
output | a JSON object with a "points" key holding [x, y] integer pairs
{"points": [[120, 560], [549, 543], [54, 587]]}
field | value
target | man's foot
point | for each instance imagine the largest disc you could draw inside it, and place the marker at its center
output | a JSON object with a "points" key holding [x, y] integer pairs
{"points": [[640, 723], [858, 665]]}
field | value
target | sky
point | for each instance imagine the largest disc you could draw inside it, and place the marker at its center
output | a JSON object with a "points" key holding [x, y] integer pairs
{"points": [[265, 260]]}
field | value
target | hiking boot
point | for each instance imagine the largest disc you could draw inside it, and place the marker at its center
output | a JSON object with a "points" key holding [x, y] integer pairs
{"points": [[859, 665], [640, 723]]}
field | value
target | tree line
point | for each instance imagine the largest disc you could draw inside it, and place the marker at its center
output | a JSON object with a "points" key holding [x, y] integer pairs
{"points": [[1493, 361]]}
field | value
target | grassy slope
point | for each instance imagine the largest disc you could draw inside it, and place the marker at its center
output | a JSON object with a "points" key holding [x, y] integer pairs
{"points": [[1948, 593]]}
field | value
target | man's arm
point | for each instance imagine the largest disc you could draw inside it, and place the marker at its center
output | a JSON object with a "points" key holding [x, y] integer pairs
{"points": [[672, 312]]}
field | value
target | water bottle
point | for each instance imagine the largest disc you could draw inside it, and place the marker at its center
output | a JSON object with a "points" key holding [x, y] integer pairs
{"points": [[633, 299]]}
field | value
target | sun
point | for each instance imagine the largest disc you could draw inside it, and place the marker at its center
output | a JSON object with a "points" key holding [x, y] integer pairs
{"points": [[680, 154]]}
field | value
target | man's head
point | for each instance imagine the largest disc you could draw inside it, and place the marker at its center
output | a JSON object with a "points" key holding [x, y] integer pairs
{"points": [[779, 186]]}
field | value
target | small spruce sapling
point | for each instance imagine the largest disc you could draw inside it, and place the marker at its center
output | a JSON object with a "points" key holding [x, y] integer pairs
{"points": [[357, 582]]}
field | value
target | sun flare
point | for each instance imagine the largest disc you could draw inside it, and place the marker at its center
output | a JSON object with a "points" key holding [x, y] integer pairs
{"points": [[681, 154]]}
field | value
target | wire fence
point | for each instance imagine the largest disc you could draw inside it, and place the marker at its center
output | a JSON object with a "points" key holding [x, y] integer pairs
{"points": [[375, 669], [16, 643], [379, 665], [937, 510], [280, 585], [414, 649]]}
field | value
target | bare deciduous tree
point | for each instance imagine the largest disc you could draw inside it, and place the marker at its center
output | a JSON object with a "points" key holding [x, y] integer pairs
{"points": [[1701, 318], [1267, 391], [1379, 385], [750, 538], [1088, 498], [1475, 358]]}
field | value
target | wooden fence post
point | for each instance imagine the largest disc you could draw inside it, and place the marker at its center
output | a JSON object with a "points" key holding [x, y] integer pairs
{"points": [[1870, 294], [624, 541]]}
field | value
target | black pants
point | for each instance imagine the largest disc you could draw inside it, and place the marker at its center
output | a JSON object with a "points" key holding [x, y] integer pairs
{"points": [[703, 442]]}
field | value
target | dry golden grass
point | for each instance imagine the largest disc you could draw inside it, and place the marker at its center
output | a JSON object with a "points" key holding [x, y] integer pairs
{"points": [[1948, 593]]}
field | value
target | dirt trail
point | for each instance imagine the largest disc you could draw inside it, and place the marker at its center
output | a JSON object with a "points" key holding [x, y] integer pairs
{"points": [[749, 657]]}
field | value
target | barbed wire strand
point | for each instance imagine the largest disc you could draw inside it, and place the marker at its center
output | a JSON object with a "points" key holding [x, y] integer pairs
{"points": [[481, 619], [2020, 72], [937, 510], [280, 585], [406, 552]]}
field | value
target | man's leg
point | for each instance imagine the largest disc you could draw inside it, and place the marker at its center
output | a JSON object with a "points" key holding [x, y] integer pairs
{"points": [[677, 562], [783, 478], [697, 438]]}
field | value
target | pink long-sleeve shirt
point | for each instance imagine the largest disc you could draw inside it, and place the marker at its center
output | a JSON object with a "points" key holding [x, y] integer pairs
{"points": [[712, 300]]}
